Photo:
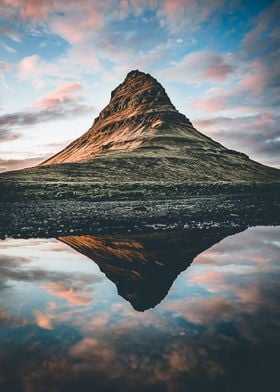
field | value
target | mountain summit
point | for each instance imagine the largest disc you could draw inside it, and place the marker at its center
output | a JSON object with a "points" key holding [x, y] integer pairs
{"points": [[139, 147]]}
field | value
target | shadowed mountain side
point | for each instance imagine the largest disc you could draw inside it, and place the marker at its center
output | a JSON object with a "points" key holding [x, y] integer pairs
{"points": [[139, 141], [144, 266]]}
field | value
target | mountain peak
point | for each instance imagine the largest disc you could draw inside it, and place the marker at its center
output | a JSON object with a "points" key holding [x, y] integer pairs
{"points": [[139, 93], [135, 72], [141, 76]]}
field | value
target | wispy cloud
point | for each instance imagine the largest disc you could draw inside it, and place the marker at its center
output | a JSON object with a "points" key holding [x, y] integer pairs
{"points": [[8, 48], [199, 67], [182, 15], [257, 134], [65, 101], [16, 164]]}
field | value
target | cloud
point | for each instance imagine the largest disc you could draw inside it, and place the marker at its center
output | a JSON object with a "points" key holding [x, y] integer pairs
{"points": [[76, 61], [8, 48], [4, 67], [75, 295], [31, 9], [10, 33], [182, 15], [8, 135], [15, 164], [210, 104], [65, 101], [65, 94], [78, 22], [17, 269], [79, 26], [259, 134], [256, 73], [28, 66], [43, 320], [203, 310], [263, 38], [200, 66]]}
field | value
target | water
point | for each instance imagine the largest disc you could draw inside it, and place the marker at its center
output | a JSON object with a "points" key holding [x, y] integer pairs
{"points": [[137, 326]]}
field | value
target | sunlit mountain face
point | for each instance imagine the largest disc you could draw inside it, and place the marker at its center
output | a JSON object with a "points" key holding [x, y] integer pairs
{"points": [[77, 303]]}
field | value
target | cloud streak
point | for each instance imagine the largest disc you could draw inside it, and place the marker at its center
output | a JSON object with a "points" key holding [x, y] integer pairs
{"points": [[66, 101], [199, 67]]}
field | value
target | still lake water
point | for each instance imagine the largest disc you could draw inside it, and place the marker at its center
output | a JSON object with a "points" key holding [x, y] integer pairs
{"points": [[65, 327]]}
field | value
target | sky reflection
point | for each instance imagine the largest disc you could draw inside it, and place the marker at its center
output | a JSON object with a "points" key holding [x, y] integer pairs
{"points": [[63, 326]]}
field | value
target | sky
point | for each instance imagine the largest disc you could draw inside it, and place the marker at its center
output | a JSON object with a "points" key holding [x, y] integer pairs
{"points": [[59, 61]]}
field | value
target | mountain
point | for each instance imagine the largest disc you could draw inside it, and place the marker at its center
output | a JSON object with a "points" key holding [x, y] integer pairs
{"points": [[140, 122], [144, 266], [138, 146]]}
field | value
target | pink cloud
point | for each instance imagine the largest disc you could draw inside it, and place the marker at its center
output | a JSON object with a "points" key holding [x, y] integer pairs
{"points": [[60, 96], [249, 84], [16, 164], [75, 21], [43, 320], [253, 80], [243, 124], [80, 27], [209, 104], [72, 295], [209, 278], [29, 9], [28, 66], [197, 67], [201, 310], [34, 9], [179, 15]]}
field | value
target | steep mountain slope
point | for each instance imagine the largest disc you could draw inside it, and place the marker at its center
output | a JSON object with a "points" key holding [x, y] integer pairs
{"points": [[142, 132]]}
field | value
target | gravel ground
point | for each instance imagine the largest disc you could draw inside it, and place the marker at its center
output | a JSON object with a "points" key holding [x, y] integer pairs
{"points": [[56, 218]]}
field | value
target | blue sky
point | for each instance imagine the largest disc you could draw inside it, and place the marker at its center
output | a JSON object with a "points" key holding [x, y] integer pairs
{"points": [[59, 61]]}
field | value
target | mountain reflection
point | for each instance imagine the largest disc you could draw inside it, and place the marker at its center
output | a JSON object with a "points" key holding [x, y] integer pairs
{"points": [[64, 328], [144, 266]]}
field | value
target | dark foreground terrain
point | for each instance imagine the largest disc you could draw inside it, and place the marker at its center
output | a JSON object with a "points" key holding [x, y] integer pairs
{"points": [[39, 218]]}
